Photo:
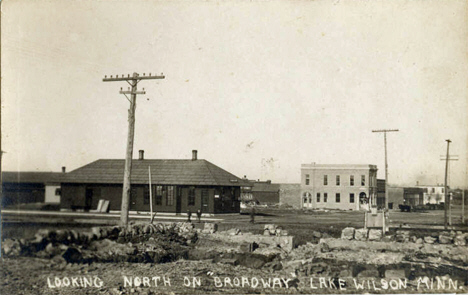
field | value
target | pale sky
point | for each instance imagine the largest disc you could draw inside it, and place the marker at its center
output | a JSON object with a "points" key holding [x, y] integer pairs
{"points": [[257, 87]]}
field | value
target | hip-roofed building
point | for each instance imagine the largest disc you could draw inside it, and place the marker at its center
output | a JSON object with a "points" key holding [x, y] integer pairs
{"points": [[178, 186]]}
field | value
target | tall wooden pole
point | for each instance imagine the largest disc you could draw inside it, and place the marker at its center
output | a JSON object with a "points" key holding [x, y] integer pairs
{"points": [[133, 81], [128, 158], [446, 199], [386, 162], [463, 206], [386, 172], [150, 194]]}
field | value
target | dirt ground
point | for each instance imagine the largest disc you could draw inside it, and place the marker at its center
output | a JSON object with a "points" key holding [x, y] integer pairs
{"points": [[321, 271], [187, 277]]}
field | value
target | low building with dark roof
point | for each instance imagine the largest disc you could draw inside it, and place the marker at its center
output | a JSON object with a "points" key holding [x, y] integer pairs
{"points": [[265, 192], [177, 186], [30, 187]]}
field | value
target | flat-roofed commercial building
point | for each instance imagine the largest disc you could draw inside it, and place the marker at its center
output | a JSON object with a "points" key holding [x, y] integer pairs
{"points": [[338, 186]]}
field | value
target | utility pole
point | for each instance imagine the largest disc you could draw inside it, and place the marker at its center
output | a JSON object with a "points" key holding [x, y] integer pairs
{"points": [[446, 159], [133, 81], [386, 163], [463, 207], [446, 199]]}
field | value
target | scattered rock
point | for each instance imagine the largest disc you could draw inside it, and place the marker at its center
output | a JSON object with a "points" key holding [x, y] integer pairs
{"points": [[324, 247], [210, 228], [429, 240], [375, 234], [316, 234], [402, 236], [361, 234], [11, 247], [72, 255], [233, 232], [460, 239], [348, 233], [445, 239], [61, 236]]}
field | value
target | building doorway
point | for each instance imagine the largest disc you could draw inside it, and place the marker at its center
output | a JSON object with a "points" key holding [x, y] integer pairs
{"points": [[88, 199], [306, 200], [179, 200], [363, 201]]}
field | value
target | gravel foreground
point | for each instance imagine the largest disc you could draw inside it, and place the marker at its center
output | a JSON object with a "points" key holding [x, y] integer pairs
{"points": [[25, 275]]}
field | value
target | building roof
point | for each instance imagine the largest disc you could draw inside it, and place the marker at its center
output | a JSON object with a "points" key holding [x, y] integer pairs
{"points": [[164, 172], [338, 166], [265, 187], [31, 177]]}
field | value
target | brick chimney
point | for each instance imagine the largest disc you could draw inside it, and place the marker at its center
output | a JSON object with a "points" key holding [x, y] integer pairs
{"points": [[194, 155], [64, 169], [141, 155]]}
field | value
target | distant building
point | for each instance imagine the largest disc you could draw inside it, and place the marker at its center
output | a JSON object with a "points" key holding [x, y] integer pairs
{"points": [[288, 194], [31, 187], [345, 187], [414, 196], [177, 186], [381, 194], [261, 192], [434, 194]]}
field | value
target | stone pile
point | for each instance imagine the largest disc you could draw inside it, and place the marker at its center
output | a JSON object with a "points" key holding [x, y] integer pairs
{"points": [[375, 235], [348, 233], [361, 234], [51, 242], [274, 230], [404, 236], [210, 228], [233, 232]]}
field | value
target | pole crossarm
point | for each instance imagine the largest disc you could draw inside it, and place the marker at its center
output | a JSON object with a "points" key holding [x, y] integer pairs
{"points": [[130, 92], [129, 78], [451, 158], [385, 130]]}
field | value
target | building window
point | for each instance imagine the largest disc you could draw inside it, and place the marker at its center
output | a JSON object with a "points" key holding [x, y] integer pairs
{"points": [[338, 180], [351, 180], [363, 180], [307, 179], [442, 190], [146, 196], [159, 193], [318, 197], [325, 180], [170, 196], [305, 197], [133, 195], [338, 198], [204, 198], [351, 198], [191, 196], [433, 189], [58, 192], [325, 197]]}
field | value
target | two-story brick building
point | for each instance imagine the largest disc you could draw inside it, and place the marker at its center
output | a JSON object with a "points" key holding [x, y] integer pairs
{"points": [[332, 186]]}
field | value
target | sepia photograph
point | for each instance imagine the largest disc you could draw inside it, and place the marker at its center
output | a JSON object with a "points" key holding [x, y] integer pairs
{"points": [[234, 147]]}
